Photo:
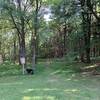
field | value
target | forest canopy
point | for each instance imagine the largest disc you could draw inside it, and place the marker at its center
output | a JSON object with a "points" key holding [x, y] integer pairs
{"points": [[36, 29]]}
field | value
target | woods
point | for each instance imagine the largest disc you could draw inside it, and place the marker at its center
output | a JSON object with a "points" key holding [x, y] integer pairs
{"points": [[49, 49], [70, 30], [73, 28]]}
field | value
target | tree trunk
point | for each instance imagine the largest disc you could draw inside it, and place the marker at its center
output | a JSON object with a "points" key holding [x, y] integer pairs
{"points": [[14, 53], [33, 51], [35, 36], [87, 47], [86, 29], [94, 51], [64, 51], [22, 46]]}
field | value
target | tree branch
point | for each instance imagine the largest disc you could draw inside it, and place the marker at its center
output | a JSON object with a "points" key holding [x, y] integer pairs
{"points": [[15, 23]]}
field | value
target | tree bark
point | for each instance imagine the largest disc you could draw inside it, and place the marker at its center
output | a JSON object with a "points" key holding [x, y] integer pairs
{"points": [[86, 18], [14, 52], [33, 51]]}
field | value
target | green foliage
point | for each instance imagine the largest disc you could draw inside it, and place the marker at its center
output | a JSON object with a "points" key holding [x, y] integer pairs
{"points": [[8, 68], [71, 56], [66, 21]]}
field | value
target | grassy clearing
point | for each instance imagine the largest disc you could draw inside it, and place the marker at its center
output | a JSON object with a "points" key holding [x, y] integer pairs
{"points": [[57, 81]]}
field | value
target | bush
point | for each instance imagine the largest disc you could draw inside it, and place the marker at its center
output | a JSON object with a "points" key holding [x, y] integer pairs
{"points": [[71, 56]]}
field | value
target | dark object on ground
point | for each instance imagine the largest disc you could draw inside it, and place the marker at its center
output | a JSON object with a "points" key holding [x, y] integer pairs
{"points": [[29, 71]]}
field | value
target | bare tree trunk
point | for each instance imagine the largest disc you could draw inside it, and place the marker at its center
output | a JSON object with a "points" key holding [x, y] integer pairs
{"points": [[86, 28], [33, 50], [14, 52], [34, 40], [64, 51]]}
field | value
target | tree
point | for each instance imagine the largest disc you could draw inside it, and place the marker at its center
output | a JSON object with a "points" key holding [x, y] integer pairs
{"points": [[18, 11]]}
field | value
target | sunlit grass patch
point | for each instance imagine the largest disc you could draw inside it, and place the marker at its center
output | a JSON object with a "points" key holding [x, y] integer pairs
{"points": [[38, 98]]}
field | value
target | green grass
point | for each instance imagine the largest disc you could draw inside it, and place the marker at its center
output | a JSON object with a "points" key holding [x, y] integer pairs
{"points": [[58, 81]]}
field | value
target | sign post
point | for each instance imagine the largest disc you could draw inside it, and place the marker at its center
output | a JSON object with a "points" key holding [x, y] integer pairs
{"points": [[1, 59], [22, 60]]}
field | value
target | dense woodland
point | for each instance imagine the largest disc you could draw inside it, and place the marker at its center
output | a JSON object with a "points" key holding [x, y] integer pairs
{"points": [[41, 29], [49, 49]]}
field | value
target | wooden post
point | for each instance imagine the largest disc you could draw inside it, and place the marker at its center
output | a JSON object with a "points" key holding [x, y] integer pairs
{"points": [[23, 69]]}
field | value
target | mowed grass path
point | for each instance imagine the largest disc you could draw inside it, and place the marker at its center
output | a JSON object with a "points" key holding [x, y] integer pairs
{"points": [[47, 84]]}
